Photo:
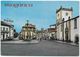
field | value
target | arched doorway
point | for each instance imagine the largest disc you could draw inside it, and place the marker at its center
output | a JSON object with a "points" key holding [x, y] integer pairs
{"points": [[66, 34], [77, 39]]}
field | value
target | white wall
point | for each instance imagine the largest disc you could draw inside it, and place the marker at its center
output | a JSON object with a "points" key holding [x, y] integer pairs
{"points": [[5, 33], [74, 32], [59, 33], [10, 30], [64, 15]]}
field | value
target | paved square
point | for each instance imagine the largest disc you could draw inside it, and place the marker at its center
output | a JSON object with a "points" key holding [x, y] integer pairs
{"points": [[43, 48]]}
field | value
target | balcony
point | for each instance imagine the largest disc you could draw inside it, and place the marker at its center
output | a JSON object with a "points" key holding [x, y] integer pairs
{"points": [[3, 31]]}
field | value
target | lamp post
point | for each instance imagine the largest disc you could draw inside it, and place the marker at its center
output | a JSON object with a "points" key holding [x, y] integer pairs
{"points": [[27, 28]]}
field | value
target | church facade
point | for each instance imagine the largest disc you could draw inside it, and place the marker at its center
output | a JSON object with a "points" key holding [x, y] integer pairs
{"points": [[66, 25]]}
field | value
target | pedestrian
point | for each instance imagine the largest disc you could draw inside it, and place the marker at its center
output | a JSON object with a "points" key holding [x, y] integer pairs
{"points": [[40, 39]]}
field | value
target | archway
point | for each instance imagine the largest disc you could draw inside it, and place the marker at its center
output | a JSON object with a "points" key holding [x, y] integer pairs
{"points": [[77, 39], [66, 34]]}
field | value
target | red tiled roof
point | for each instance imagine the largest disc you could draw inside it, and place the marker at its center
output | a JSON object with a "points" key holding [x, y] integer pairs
{"points": [[29, 26], [51, 29]]}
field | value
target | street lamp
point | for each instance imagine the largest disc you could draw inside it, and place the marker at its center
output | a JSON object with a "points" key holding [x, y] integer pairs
{"points": [[27, 29]]}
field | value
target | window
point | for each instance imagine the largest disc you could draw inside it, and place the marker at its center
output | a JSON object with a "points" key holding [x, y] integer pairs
{"points": [[69, 17], [75, 23], [58, 15], [62, 25], [6, 29], [66, 14], [63, 20], [3, 28], [23, 28]]}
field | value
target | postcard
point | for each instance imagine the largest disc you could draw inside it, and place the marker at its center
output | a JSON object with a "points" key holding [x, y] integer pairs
{"points": [[39, 28]]}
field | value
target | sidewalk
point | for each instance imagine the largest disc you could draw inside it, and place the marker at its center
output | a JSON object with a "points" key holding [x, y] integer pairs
{"points": [[74, 44], [20, 41]]}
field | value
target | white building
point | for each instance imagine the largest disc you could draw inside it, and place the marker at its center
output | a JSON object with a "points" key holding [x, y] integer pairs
{"points": [[52, 31], [7, 31], [75, 29], [65, 24], [28, 31]]}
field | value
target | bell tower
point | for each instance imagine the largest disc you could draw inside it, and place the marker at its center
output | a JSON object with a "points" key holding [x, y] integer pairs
{"points": [[63, 14]]}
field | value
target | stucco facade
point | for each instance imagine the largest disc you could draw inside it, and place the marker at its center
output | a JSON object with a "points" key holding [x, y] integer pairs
{"points": [[62, 14], [7, 31], [75, 31], [65, 25], [28, 31]]}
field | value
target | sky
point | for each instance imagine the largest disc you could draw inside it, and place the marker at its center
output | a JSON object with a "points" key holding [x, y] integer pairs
{"points": [[42, 13]]}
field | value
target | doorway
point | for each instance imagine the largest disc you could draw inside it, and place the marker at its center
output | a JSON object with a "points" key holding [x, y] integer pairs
{"points": [[66, 34], [76, 39]]}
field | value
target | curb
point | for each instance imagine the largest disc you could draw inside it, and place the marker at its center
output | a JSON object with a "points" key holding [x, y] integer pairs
{"points": [[21, 42], [68, 43]]}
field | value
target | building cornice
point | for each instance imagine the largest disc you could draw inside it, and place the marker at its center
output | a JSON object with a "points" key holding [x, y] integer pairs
{"points": [[67, 9], [5, 24]]}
